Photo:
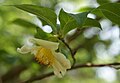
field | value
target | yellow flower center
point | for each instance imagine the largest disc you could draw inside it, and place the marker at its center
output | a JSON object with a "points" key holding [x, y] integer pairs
{"points": [[45, 56]]}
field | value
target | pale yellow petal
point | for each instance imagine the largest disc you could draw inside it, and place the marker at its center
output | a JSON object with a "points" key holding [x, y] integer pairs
{"points": [[63, 60], [24, 49], [59, 70], [63, 71], [56, 72], [44, 43]]}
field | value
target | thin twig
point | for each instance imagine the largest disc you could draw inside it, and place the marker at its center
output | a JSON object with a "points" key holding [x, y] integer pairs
{"points": [[72, 53], [96, 65], [88, 65]]}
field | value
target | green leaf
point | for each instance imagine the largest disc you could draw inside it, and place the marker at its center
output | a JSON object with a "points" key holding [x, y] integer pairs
{"points": [[23, 23], [80, 18], [64, 18], [101, 2], [92, 23], [69, 26], [45, 36], [67, 22], [111, 11], [43, 22], [41, 34], [71, 21], [44, 13]]}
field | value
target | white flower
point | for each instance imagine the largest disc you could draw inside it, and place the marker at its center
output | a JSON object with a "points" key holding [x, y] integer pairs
{"points": [[44, 52]]}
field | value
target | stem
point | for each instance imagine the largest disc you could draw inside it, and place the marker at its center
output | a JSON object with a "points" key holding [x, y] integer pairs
{"points": [[72, 53], [88, 65]]}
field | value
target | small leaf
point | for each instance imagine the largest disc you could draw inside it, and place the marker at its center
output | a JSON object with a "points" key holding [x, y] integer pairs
{"points": [[43, 13], [92, 23], [101, 2], [71, 21], [80, 18], [67, 22], [23, 23], [64, 18], [111, 11]]}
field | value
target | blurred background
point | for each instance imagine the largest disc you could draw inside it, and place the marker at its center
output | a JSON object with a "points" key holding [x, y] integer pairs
{"points": [[97, 46]]}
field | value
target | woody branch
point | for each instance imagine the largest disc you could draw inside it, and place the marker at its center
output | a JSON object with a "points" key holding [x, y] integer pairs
{"points": [[88, 65]]}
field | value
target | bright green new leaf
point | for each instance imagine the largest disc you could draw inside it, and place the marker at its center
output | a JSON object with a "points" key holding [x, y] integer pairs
{"points": [[92, 23], [24, 23], [111, 11], [44, 13]]}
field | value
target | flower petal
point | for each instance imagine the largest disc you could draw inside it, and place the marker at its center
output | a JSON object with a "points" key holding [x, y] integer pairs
{"points": [[24, 49], [44, 43], [59, 70], [57, 73], [63, 60]]}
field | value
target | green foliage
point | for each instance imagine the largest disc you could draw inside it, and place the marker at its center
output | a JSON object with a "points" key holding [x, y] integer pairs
{"points": [[71, 21], [92, 23], [43, 13], [24, 23], [77, 21], [67, 22], [80, 18], [106, 9], [103, 1], [43, 22], [111, 11], [64, 18], [41, 34]]}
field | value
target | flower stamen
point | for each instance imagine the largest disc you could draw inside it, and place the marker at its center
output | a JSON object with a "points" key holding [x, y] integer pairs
{"points": [[45, 56]]}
